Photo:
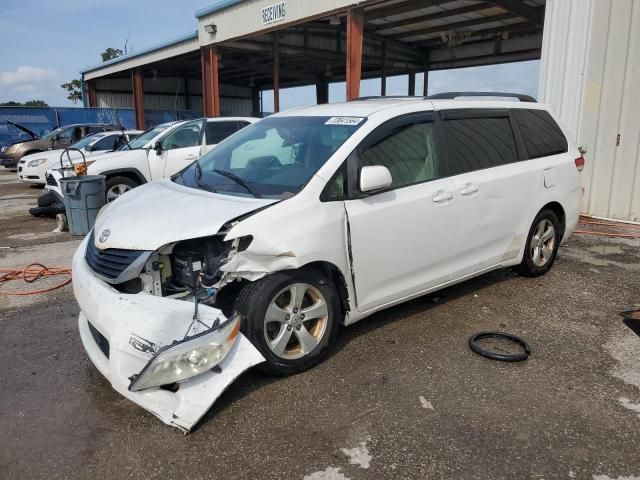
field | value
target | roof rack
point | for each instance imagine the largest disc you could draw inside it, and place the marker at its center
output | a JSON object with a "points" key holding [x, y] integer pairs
{"points": [[454, 95]]}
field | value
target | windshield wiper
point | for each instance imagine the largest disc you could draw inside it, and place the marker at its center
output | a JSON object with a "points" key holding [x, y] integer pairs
{"points": [[199, 176], [236, 179]]}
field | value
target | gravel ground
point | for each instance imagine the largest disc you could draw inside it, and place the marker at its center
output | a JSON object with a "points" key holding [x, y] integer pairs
{"points": [[401, 395]]}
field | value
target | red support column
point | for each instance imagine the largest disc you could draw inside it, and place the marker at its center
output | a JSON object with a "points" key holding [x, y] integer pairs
{"points": [[210, 83], [355, 24], [276, 72], [91, 90], [138, 97]]}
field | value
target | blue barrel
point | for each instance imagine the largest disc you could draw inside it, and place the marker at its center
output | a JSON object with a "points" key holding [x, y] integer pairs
{"points": [[83, 196]]}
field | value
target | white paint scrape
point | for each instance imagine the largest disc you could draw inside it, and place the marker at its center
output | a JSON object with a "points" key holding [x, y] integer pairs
{"points": [[625, 348], [625, 402], [331, 473], [426, 403], [607, 477], [358, 455]]}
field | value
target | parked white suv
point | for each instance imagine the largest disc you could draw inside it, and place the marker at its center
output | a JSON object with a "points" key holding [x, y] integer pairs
{"points": [[310, 219], [159, 152], [33, 168]]}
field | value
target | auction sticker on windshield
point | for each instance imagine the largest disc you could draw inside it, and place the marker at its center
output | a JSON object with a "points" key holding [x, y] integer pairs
{"points": [[344, 121]]}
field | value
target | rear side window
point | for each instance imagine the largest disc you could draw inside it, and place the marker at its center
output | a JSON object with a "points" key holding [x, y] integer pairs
{"points": [[218, 131], [106, 143], [478, 143], [542, 135]]}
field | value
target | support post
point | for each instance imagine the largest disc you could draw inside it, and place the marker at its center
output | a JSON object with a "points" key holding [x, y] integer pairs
{"points": [[210, 84], [91, 87], [383, 71], [412, 84], [276, 72], [355, 23], [255, 102], [322, 90], [185, 85], [138, 97], [425, 83]]}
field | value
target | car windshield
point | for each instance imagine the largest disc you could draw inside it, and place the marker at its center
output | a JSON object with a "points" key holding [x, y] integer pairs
{"points": [[273, 158], [144, 138], [86, 141], [52, 134]]}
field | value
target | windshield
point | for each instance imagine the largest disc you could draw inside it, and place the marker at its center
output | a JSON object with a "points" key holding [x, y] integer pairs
{"points": [[273, 158], [52, 134], [86, 141], [145, 137]]}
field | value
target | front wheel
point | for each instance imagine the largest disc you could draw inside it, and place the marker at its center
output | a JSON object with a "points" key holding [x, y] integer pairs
{"points": [[542, 245], [117, 186], [291, 317]]}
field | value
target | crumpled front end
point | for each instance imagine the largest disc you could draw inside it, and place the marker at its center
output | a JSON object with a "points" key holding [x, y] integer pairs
{"points": [[123, 332]]}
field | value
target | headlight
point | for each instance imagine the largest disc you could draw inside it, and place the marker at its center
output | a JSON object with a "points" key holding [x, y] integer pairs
{"points": [[188, 358], [36, 162]]}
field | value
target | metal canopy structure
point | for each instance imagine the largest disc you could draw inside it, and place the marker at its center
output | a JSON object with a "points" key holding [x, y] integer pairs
{"points": [[315, 43]]}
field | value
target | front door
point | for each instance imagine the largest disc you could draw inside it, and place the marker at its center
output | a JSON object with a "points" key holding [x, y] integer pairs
{"points": [[179, 148], [402, 238]]}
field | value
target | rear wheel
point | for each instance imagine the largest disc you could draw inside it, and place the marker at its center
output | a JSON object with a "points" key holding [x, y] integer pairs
{"points": [[117, 186], [542, 245], [291, 317]]}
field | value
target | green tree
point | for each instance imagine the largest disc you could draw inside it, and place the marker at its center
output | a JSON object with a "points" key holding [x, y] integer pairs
{"points": [[29, 103], [74, 89], [111, 53]]}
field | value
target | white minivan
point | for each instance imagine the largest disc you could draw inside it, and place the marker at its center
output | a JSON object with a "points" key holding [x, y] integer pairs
{"points": [[308, 220], [159, 152]]}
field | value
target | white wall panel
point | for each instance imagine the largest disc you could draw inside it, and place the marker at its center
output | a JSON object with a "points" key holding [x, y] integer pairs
{"points": [[590, 74]]}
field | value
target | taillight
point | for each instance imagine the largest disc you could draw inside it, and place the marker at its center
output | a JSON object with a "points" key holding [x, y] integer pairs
{"points": [[579, 163]]}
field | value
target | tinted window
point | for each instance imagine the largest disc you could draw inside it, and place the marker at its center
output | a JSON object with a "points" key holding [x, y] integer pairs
{"points": [[95, 129], [478, 143], [217, 131], [540, 132], [188, 135], [409, 153], [106, 143]]}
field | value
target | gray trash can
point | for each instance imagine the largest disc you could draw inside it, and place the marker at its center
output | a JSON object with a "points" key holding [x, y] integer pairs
{"points": [[84, 196]]}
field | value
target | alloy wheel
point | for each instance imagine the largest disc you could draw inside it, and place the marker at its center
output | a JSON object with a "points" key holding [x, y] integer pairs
{"points": [[543, 243]]}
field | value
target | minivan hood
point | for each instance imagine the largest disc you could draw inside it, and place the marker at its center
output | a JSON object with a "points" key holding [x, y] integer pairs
{"points": [[162, 212]]}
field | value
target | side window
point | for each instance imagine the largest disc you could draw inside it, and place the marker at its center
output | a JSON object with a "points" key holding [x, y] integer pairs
{"points": [[336, 188], [410, 154], [187, 135], [94, 129], [542, 135], [67, 133], [106, 143], [478, 143], [215, 132]]}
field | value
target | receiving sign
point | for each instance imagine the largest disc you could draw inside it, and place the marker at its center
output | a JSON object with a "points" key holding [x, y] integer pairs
{"points": [[274, 13]]}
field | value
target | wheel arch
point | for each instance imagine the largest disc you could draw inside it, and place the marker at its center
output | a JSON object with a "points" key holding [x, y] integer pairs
{"points": [[337, 278], [557, 208], [132, 173]]}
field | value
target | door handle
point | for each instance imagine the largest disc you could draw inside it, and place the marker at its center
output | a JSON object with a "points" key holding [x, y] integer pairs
{"points": [[469, 189], [442, 196], [191, 157]]}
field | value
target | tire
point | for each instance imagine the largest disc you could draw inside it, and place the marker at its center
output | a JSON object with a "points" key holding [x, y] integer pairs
{"points": [[116, 186], [288, 323], [539, 255]]}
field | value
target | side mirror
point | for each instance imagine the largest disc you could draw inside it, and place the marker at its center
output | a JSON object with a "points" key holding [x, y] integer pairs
{"points": [[375, 177], [157, 147]]}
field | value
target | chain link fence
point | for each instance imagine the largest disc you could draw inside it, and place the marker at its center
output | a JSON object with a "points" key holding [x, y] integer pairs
{"points": [[42, 120]]}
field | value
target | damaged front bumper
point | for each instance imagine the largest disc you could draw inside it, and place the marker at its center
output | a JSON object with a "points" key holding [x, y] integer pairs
{"points": [[122, 332]]}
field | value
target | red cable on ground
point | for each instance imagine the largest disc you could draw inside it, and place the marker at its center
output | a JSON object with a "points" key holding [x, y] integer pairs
{"points": [[623, 226], [30, 274]]}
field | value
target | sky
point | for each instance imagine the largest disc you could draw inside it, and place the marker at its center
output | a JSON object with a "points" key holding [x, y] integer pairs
{"points": [[44, 43]]}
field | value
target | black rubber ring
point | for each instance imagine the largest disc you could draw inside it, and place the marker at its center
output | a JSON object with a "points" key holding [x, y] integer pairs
{"points": [[515, 357]]}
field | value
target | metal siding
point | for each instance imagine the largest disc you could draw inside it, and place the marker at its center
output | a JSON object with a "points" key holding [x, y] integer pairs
{"points": [[589, 74]]}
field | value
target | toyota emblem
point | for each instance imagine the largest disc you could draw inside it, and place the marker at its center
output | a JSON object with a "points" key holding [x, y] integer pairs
{"points": [[104, 235]]}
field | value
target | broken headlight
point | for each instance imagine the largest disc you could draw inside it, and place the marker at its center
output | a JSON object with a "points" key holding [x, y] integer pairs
{"points": [[188, 358]]}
